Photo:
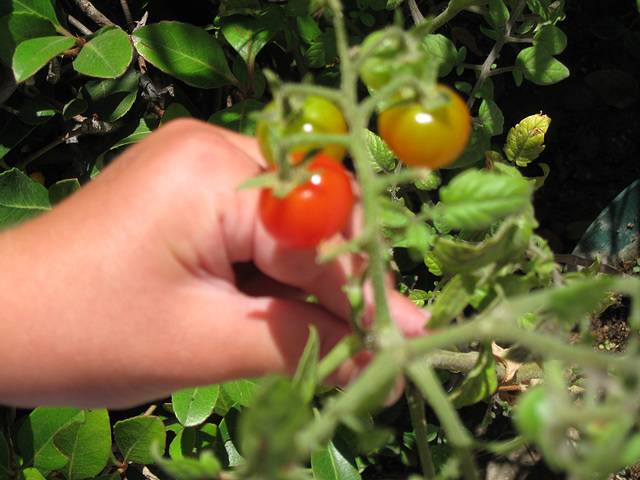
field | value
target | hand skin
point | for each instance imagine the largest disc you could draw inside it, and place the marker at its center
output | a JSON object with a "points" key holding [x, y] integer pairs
{"points": [[137, 286]]}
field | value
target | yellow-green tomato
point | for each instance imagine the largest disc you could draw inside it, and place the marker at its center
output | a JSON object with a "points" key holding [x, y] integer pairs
{"points": [[427, 137], [315, 115]]}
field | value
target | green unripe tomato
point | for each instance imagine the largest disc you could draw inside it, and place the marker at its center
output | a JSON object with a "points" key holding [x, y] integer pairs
{"points": [[315, 115], [533, 414], [382, 51]]}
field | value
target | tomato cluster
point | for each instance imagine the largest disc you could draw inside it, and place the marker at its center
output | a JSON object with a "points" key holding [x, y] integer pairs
{"points": [[321, 206]]}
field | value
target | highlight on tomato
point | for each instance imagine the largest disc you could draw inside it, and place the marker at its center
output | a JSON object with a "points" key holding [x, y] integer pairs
{"points": [[427, 137], [315, 114], [312, 212]]}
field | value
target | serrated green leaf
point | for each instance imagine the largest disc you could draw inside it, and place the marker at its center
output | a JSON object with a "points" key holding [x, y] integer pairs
{"points": [[106, 55], [383, 157], [491, 117], [433, 264], [479, 383], [459, 257], [451, 301], [238, 117], [193, 406], [443, 49], [18, 27], [268, 430], [87, 445], [525, 141], [135, 437], [539, 66], [33, 54], [35, 437], [187, 52], [479, 143], [475, 199], [334, 462], [21, 198], [322, 51], [248, 35]]}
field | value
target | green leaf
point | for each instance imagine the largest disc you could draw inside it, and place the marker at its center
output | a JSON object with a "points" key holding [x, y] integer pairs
{"points": [[229, 436], [479, 383], [87, 445], [173, 111], [62, 189], [107, 54], [238, 117], [186, 52], [539, 67], [33, 54], [475, 199], [43, 8], [443, 49], [245, 391], [35, 437], [111, 99], [31, 474], [183, 443], [36, 110], [18, 27], [135, 436], [248, 35], [479, 143], [384, 158], [335, 462], [322, 51], [193, 406], [20, 198], [206, 466], [268, 430], [75, 106], [551, 38], [525, 141], [498, 14], [452, 300], [509, 242], [306, 378], [491, 117], [142, 130]]}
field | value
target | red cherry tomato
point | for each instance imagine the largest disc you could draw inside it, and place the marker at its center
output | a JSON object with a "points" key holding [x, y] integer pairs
{"points": [[316, 115], [427, 138], [313, 211]]}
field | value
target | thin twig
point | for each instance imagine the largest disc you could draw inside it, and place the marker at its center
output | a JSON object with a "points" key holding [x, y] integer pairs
{"points": [[127, 14], [79, 25], [493, 54], [93, 13], [416, 14]]}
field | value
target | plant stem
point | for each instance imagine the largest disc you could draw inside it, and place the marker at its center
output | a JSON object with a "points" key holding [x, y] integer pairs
{"points": [[493, 54], [427, 382], [419, 422]]}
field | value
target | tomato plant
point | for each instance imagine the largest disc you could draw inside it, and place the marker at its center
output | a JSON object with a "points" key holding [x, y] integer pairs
{"points": [[314, 115], [313, 211], [427, 137]]}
